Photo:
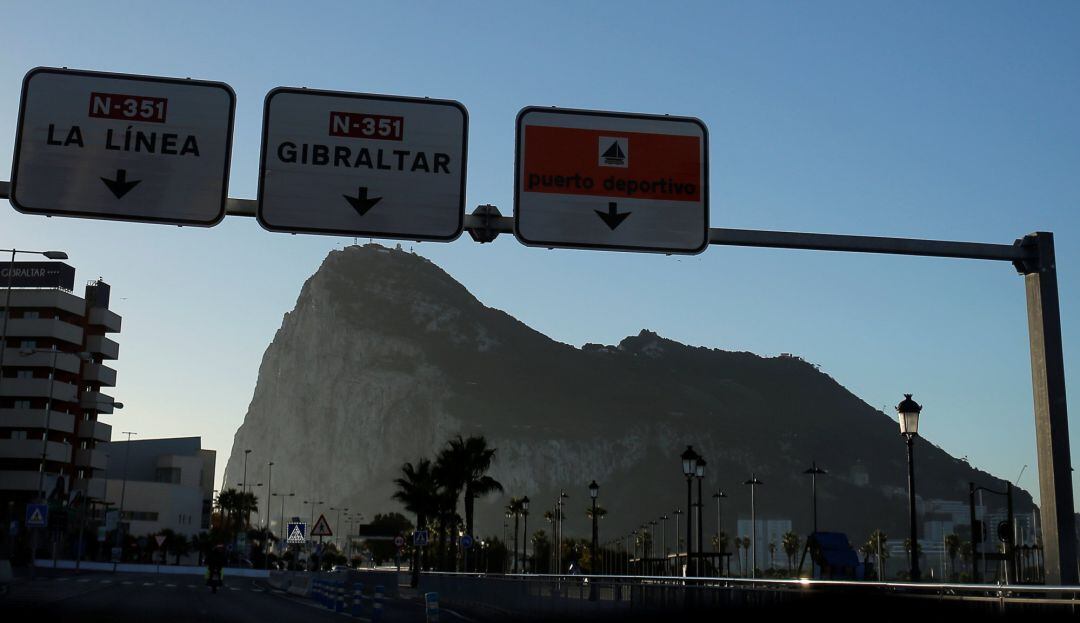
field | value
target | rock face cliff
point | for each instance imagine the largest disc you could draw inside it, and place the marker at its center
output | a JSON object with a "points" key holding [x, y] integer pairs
{"points": [[386, 356]]}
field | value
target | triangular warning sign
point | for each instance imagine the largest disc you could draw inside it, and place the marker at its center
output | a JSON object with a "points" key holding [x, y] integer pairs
{"points": [[35, 517], [321, 528], [614, 151], [296, 536]]}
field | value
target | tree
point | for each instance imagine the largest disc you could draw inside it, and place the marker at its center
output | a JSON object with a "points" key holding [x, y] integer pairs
{"points": [[790, 543], [472, 458], [600, 512], [738, 554], [749, 554], [542, 551], [952, 548], [720, 542], [908, 550], [878, 544], [417, 490], [390, 523], [772, 554], [180, 546]]}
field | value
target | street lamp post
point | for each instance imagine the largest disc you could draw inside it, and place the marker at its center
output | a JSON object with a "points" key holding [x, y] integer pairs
{"points": [[594, 490], [699, 472], [663, 539], [558, 541], [814, 472], [284, 537], [123, 490], [908, 413], [677, 512], [244, 484], [689, 468], [719, 495], [754, 484], [524, 534]]}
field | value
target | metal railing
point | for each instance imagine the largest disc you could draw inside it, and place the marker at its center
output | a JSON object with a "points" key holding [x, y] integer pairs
{"points": [[582, 595]]}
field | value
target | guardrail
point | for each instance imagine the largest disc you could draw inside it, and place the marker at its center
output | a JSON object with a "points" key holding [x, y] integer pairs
{"points": [[591, 595]]}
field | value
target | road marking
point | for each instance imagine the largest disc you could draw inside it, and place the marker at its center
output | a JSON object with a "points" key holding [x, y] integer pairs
{"points": [[171, 585], [105, 582], [191, 586], [83, 580], [126, 583], [61, 579], [148, 583], [232, 588]]}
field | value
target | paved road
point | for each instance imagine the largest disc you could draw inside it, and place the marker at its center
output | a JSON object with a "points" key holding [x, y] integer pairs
{"points": [[164, 599]]}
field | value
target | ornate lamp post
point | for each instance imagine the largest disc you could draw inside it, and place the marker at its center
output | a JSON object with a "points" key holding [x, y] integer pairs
{"points": [[814, 472], [908, 412], [689, 468], [677, 512]]}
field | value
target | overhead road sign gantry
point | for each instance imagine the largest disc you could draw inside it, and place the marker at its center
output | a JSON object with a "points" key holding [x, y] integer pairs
{"points": [[124, 147], [353, 164], [604, 180]]}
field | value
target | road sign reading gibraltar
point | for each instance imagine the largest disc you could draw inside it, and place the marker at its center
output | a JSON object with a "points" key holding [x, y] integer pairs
{"points": [[117, 146], [602, 180], [362, 165]]}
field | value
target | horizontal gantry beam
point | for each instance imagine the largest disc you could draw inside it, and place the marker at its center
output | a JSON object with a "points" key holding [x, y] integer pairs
{"points": [[1016, 252]]}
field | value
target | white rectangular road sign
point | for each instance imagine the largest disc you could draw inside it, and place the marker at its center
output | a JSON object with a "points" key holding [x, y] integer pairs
{"points": [[116, 146], [362, 165], [604, 180]]}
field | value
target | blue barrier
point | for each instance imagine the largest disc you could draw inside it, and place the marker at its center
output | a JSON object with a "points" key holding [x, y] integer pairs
{"points": [[377, 607], [358, 599], [431, 607]]}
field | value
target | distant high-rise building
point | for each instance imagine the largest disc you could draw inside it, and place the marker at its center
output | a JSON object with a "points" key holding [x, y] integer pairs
{"points": [[51, 381]]}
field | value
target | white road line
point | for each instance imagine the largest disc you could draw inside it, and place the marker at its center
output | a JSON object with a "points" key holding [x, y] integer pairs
{"points": [[61, 579], [171, 585], [83, 580], [148, 583], [126, 583], [191, 586], [105, 582], [232, 588]]}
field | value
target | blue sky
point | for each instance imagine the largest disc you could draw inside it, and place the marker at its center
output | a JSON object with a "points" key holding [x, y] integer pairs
{"points": [[926, 119]]}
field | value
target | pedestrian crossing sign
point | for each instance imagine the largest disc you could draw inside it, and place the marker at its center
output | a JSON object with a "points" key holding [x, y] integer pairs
{"points": [[321, 527], [37, 515], [296, 533]]}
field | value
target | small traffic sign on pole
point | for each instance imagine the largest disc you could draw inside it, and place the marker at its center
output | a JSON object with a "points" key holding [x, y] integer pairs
{"points": [[124, 147], [466, 541], [603, 180], [420, 538], [37, 515], [399, 541], [160, 538], [355, 164]]}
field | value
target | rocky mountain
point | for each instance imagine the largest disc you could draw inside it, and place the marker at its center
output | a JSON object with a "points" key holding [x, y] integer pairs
{"points": [[386, 356]]}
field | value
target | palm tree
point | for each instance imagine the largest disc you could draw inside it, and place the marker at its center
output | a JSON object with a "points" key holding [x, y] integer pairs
{"points": [[790, 543], [180, 546], [720, 542], [600, 512], [952, 548], [418, 492], [749, 554], [738, 554], [966, 553], [772, 555], [473, 457], [878, 544], [514, 509]]}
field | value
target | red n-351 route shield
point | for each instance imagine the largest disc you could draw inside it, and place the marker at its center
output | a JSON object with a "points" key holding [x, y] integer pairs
{"points": [[602, 180]]}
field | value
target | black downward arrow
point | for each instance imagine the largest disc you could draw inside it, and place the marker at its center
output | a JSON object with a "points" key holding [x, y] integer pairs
{"points": [[361, 202], [120, 186], [612, 216]]}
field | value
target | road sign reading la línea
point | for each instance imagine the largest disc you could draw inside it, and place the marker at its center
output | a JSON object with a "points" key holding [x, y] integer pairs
{"points": [[321, 527], [362, 165], [603, 180], [117, 146], [295, 532]]}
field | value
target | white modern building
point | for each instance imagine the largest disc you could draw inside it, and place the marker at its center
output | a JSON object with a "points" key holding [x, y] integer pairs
{"points": [[162, 484]]}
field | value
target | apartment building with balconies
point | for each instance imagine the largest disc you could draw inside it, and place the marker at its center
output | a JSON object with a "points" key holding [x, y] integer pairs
{"points": [[53, 381]]}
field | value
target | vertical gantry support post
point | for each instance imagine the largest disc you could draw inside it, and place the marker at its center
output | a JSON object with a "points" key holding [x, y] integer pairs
{"points": [[1051, 415]]}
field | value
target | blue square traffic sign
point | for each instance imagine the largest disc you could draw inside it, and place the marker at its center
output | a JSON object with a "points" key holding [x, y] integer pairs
{"points": [[37, 515]]}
